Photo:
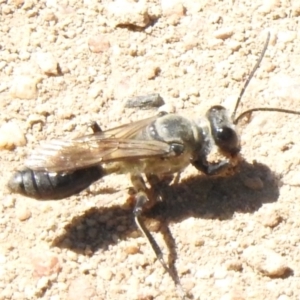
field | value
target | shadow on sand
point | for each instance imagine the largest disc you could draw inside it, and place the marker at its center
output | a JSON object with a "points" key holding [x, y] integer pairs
{"points": [[200, 196]]}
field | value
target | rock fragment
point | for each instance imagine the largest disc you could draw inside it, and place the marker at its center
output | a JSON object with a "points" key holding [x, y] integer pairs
{"points": [[223, 33], [98, 43], [145, 102], [23, 213], [266, 261], [11, 136], [253, 183], [24, 87], [47, 63], [45, 264], [269, 217], [81, 288], [125, 13], [173, 10]]}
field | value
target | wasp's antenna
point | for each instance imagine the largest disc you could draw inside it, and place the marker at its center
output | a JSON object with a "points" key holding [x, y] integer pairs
{"points": [[251, 75], [250, 111]]}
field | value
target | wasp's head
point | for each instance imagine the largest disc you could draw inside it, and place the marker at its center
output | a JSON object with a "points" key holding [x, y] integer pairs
{"points": [[223, 131]]}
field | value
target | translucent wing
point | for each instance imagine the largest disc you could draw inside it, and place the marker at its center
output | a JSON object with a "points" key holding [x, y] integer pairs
{"points": [[126, 131], [113, 145]]}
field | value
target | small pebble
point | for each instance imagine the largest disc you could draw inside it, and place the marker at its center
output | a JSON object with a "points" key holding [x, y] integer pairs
{"points": [[269, 217], [81, 288], [45, 264], [11, 136], [223, 33], [151, 71], [35, 119], [43, 283], [286, 36], [234, 45], [172, 8], [266, 261], [98, 43], [253, 183], [168, 108], [233, 295], [296, 8], [105, 273], [214, 43], [132, 249], [127, 13], [23, 213], [47, 63], [269, 6], [234, 265], [24, 87]]}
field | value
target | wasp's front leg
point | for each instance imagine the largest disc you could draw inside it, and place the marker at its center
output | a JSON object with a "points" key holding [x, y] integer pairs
{"points": [[212, 168]]}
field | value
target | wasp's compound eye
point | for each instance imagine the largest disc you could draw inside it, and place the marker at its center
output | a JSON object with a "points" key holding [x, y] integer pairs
{"points": [[226, 134], [227, 139]]}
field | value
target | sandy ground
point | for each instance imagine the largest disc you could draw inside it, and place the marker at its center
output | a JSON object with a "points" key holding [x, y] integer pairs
{"points": [[65, 63]]}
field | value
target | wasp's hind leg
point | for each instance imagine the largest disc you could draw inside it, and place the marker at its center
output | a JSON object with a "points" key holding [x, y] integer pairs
{"points": [[144, 202]]}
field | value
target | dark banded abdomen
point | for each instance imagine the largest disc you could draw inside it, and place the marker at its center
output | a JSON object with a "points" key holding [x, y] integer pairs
{"points": [[43, 185]]}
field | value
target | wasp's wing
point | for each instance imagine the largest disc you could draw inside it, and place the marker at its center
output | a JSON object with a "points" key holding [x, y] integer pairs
{"points": [[126, 131], [116, 144], [63, 156]]}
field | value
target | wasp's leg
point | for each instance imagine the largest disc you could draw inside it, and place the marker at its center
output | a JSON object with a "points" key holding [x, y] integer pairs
{"points": [[143, 202], [158, 184], [95, 127], [155, 181], [212, 168]]}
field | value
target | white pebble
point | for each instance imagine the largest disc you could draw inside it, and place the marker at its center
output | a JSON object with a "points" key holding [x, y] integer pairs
{"points": [[123, 12], [269, 216], [234, 45], [43, 283], [94, 91], [47, 63], [172, 8], [11, 136], [266, 261], [286, 36], [23, 213], [24, 87], [269, 6], [105, 273], [169, 108]]}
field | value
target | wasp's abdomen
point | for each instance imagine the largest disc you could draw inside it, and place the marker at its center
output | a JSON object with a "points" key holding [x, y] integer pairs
{"points": [[43, 185]]}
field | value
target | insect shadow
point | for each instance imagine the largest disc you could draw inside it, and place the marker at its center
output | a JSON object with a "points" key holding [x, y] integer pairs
{"points": [[199, 196]]}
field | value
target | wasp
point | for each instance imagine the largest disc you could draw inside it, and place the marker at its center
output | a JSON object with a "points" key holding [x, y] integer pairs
{"points": [[155, 147]]}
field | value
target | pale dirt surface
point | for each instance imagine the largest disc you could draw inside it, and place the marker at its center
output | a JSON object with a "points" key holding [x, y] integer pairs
{"points": [[87, 247]]}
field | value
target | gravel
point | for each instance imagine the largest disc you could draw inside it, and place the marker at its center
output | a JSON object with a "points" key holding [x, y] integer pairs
{"points": [[63, 64]]}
